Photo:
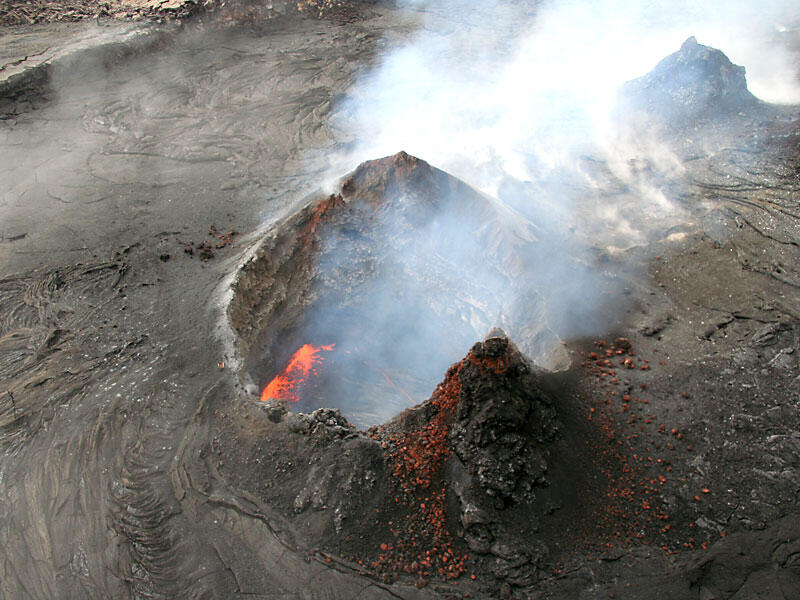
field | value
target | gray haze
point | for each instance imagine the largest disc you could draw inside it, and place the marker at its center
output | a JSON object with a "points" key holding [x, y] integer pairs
{"points": [[516, 100]]}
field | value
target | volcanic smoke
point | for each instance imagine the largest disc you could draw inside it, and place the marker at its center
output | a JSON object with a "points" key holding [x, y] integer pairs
{"points": [[287, 385]]}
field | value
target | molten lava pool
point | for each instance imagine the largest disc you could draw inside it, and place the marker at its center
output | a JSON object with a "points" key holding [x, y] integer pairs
{"points": [[296, 376]]}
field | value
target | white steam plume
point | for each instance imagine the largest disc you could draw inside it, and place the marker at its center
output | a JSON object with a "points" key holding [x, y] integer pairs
{"points": [[486, 87], [515, 99]]}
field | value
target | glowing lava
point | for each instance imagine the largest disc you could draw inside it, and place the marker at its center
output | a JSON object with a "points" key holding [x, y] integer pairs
{"points": [[286, 385]]}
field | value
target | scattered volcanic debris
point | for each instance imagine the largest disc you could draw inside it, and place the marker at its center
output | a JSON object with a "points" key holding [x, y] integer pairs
{"points": [[642, 458], [222, 239], [630, 504], [207, 250]]}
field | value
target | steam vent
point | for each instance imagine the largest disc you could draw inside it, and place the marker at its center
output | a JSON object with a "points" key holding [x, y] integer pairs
{"points": [[361, 299], [446, 488]]}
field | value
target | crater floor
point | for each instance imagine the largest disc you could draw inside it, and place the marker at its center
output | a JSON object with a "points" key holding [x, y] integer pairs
{"points": [[124, 178]]}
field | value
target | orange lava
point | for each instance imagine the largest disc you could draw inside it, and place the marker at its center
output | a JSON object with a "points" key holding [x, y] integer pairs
{"points": [[286, 385]]}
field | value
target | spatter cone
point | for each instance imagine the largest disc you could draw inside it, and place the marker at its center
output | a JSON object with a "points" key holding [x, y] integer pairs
{"points": [[480, 443]]}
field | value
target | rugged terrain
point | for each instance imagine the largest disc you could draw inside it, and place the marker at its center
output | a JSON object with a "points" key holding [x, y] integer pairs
{"points": [[29, 12], [138, 185]]}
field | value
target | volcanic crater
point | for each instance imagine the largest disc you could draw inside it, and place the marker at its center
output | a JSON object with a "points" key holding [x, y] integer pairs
{"points": [[393, 445], [346, 316], [390, 280], [507, 472]]}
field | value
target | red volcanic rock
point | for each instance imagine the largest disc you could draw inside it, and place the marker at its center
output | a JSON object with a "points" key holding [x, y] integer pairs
{"points": [[482, 438], [490, 414]]}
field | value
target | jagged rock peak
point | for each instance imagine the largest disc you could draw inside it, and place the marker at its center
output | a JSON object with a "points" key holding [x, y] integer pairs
{"points": [[690, 42], [503, 421], [695, 81], [492, 416], [377, 180]]}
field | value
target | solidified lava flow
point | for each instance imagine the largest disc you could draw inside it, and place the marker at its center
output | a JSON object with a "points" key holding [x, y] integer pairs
{"points": [[287, 385]]}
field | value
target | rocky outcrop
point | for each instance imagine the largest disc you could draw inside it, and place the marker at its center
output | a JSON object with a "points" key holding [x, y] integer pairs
{"points": [[483, 439], [696, 81], [448, 485], [503, 421]]}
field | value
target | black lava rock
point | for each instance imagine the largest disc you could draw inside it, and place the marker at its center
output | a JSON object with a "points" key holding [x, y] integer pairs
{"points": [[697, 81]]}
